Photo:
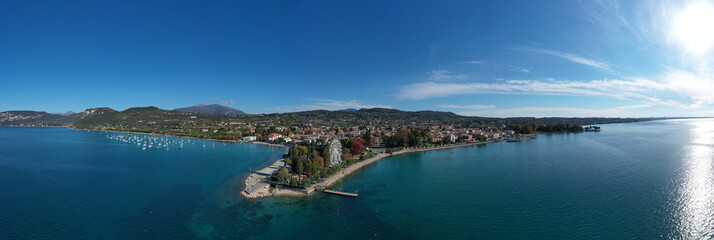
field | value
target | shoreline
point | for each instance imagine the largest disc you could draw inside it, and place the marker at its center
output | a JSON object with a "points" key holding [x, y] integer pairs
{"points": [[255, 187], [265, 144], [169, 135], [359, 165]]}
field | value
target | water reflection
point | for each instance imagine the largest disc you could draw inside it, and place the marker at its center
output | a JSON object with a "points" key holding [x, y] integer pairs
{"points": [[695, 200]]}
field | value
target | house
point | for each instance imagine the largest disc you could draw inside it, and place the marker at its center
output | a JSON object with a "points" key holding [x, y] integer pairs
{"points": [[465, 138], [250, 138], [493, 135], [310, 140], [204, 130], [274, 136], [450, 138]]}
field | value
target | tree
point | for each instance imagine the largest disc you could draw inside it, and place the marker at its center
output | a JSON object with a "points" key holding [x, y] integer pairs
{"points": [[302, 150], [282, 175], [402, 137], [531, 127], [369, 140], [294, 182], [346, 155], [356, 148], [326, 156]]}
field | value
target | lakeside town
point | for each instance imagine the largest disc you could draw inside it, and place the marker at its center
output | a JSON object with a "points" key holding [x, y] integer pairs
{"points": [[322, 146], [320, 156]]}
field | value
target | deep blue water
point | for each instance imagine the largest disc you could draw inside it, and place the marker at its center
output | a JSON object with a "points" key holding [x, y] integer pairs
{"points": [[648, 180]]}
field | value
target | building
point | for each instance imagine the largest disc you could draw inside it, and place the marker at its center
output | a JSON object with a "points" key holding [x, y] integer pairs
{"points": [[465, 138], [274, 137], [250, 138], [493, 135]]}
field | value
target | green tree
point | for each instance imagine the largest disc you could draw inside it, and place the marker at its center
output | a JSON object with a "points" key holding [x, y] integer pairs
{"points": [[282, 175], [294, 182]]}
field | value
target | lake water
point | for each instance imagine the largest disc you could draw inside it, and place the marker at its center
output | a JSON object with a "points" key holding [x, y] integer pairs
{"points": [[647, 180]]}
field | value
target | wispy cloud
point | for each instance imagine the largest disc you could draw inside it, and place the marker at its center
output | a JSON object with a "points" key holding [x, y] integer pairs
{"points": [[443, 75], [547, 112], [699, 87], [476, 62], [571, 57], [224, 102], [635, 88], [467, 106], [518, 69], [329, 104]]}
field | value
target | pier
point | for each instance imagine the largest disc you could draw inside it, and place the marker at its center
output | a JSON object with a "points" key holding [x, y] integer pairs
{"points": [[340, 193]]}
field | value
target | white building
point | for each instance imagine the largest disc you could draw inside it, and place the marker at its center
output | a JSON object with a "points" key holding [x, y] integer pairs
{"points": [[250, 138], [274, 137]]}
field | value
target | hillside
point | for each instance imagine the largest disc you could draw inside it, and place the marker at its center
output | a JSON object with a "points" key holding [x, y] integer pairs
{"points": [[158, 120], [167, 120], [35, 118], [212, 108]]}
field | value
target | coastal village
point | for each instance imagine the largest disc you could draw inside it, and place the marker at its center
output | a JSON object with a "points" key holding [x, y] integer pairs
{"points": [[323, 135], [339, 152], [325, 146]]}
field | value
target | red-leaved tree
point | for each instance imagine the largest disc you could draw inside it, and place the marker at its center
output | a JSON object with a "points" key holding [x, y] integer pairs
{"points": [[356, 147]]}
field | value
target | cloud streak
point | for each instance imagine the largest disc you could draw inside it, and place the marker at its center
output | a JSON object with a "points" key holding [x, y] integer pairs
{"points": [[224, 102], [547, 112], [623, 89], [571, 57], [518, 69], [444, 75]]}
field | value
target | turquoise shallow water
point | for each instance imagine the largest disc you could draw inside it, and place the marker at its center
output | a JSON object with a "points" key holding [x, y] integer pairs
{"points": [[641, 180]]}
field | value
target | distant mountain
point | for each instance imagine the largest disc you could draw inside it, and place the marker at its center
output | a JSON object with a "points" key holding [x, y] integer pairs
{"points": [[212, 108], [348, 110], [35, 118], [149, 119]]}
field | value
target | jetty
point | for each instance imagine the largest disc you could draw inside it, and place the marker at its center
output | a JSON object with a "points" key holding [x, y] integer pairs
{"points": [[340, 193]]}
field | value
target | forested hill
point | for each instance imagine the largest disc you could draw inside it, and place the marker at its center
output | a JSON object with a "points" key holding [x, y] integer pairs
{"points": [[152, 118], [35, 118]]}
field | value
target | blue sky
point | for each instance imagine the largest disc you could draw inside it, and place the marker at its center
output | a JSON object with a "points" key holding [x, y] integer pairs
{"points": [[484, 58]]}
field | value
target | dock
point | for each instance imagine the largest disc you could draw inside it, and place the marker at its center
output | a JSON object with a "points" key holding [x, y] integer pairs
{"points": [[340, 193]]}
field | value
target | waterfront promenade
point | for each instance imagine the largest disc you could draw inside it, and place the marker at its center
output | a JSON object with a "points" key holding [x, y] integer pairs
{"points": [[256, 184]]}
